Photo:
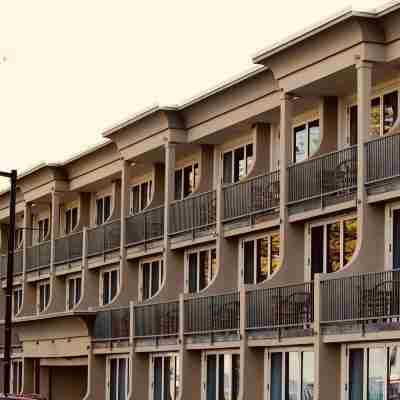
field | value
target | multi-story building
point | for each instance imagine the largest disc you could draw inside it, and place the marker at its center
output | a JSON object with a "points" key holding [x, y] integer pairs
{"points": [[244, 245]]}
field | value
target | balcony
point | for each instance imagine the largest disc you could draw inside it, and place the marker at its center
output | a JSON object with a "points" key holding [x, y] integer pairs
{"points": [[145, 229], [38, 258], [156, 324], [383, 164], [18, 264], [284, 311], [323, 181], [252, 201], [68, 252], [212, 318], [193, 217], [361, 303]]}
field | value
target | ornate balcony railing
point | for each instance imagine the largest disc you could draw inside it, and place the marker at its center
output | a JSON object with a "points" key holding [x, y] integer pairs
{"points": [[68, 248], [196, 212], [211, 314], [38, 256], [145, 226], [251, 197], [332, 174], [18, 263], [280, 307], [104, 238], [364, 297], [112, 324], [156, 320]]}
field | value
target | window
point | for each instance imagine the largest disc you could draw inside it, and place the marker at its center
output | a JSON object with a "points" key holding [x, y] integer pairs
{"points": [[165, 377], [186, 180], [17, 300], [43, 295], [19, 236], [260, 258], [376, 369], [384, 112], [103, 209], [151, 277], [291, 375], [16, 376], [71, 220], [109, 286], [43, 229], [237, 163], [117, 378], [201, 267], [332, 245], [74, 291], [307, 139], [222, 376], [140, 196]]}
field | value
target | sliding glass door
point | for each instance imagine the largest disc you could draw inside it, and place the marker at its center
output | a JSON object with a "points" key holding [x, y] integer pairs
{"points": [[165, 377]]}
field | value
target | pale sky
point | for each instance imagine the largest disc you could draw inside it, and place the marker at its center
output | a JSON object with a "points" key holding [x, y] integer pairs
{"points": [[69, 69]]}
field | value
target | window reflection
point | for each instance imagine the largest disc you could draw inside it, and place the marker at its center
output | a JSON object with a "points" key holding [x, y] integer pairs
{"points": [[314, 137], [390, 109], [376, 116], [376, 374], [275, 252], [350, 239], [262, 259], [333, 233], [300, 143]]}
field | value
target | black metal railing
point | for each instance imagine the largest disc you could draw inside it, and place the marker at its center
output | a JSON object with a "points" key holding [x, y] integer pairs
{"points": [[68, 248], [104, 238], [383, 159], [219, 313], [18, 263], [156, 320], [112, 324], [146, 226], [360, 297], [251, 197], [196, 212], [38, 256], [331, 174], [280, 307]]}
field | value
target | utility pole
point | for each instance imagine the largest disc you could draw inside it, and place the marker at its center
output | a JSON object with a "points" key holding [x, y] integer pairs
{"points": [[10, 272]]}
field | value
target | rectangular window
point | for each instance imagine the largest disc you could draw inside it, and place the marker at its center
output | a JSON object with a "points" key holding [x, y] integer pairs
{"points": [[74, 292], [186, 180], [292, 375], [43, 293], [16, 376], [103, 209], [307, 140], [165, 377], [201, 268], [71, 220], [332, 245], [260, 258], [19, 238], [118, 378], [140, 196], [222, 376], [151, 278], [109, 285], [43, 229], [17, 300], [237, 163], [356, 374]]}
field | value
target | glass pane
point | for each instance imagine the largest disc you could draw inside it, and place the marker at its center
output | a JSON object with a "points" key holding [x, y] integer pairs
{"points": [[376, 116], [275, 252], [307, 391], [276, 376], [113, 379], [193, 273], [350, 239], [353, 125], [68, 222], [107, 207], [227, 375], [144, 195], [293, 384], [356, 373], [227, 167], [158, 378], [204, 269], [71, 293], [235, 376], [177, 377], [99, 211], [394, 373], [211, 393], [390, 110], [317, 250], [249, 157], [376, 373], [213, 263], [333, 251], [239, 164], [74, 218], [146, 280], [221, 378], [155, 277], [314, 137], [248, 262], [122, 392], [168, 373], [188, 181], [135, 199], [196, 175], [78, 288], [106, 288], [300, 143], [178, 184], [114, 284], [262, 259]]}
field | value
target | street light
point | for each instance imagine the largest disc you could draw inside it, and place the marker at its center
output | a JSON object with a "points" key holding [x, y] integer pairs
{"points": [[10, 268]]}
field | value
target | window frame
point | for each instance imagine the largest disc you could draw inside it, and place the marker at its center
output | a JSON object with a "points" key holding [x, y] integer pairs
{"points": [[68, 230], [307, 122], [182, 168], [44, 283], [232, 150], [211, 277], [17, 291], [17, 363], [43, 235], [19, 238], [161, 277], [69, 280], [150, 193], [102, 199], [254, 238], [108, 373], [101, 291]]}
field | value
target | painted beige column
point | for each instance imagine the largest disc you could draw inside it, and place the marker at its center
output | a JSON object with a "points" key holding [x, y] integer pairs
{"points": [[97, 378]]}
